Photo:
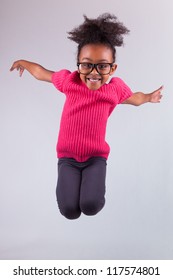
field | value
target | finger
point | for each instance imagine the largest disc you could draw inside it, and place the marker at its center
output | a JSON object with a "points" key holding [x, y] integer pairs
{"points": [[160, 88], [21, 72], [12, 68], [160, 97]]}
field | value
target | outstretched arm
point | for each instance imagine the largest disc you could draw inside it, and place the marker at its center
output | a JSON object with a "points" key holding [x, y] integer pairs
{"points": [[140, 98], [36, 70]]}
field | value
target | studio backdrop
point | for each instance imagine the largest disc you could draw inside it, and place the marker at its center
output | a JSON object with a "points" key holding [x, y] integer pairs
{"points": [[136, 222]]}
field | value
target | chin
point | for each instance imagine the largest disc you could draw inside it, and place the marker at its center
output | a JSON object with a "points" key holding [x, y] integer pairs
{"points": [[93, 88]]}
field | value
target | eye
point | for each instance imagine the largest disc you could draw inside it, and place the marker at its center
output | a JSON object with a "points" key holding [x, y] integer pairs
{"points": [[103, 66], [86, 65]]}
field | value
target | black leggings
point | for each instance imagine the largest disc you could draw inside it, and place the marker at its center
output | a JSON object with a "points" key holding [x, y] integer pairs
{"points": [[81, 186]]}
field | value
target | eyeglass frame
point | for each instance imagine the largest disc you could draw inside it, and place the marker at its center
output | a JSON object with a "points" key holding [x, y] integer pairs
{"points": [[94, 66]]}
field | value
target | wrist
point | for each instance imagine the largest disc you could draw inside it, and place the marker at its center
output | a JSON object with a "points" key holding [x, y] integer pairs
{"points": [[148, 97]]}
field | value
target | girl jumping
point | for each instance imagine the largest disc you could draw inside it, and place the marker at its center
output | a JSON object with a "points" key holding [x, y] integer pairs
{"points": [[91, 96]]}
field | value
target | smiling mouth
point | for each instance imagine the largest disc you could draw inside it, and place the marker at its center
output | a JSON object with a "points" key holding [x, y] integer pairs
{"points": [[94, 80]]}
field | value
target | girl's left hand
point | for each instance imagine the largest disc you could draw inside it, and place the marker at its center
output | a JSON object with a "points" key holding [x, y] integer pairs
{"points": [[156, 95]]}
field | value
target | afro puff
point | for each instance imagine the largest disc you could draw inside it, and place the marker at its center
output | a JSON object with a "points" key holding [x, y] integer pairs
{"points": [[105, 29]]}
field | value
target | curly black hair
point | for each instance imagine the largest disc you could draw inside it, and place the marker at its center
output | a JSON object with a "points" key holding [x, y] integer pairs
{"points": [[105, 29]]}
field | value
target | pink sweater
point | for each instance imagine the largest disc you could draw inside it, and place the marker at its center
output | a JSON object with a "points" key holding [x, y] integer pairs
{"points": [[85, 114]]}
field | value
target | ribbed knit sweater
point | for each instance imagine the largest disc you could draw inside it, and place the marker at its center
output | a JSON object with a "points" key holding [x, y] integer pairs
{"points": [[85, 114]]}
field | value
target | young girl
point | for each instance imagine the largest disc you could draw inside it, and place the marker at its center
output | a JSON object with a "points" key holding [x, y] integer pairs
{"points": [[91, 96]]}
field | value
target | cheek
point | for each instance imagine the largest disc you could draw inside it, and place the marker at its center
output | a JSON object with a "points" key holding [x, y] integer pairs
{"points": [[83, 78], [106, 78]]}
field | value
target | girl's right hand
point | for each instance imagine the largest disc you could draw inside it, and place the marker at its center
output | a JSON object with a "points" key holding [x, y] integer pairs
{"points": [[17, 65], [36, 70]]}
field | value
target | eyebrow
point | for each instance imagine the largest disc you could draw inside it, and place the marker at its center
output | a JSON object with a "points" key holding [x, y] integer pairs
{"points": [[90, 60]]}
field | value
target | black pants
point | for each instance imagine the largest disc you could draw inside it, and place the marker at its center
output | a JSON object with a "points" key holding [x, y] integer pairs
{"points": [[81, 186]]}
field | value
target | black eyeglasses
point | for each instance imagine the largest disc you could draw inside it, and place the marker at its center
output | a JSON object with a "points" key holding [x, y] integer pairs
{"points": [[102, 68]]}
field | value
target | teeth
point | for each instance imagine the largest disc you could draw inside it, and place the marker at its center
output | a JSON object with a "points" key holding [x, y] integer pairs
{"points": [[93, 80]]}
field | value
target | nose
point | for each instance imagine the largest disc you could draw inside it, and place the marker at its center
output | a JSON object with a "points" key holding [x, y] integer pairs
{"points": [[94, 69]]}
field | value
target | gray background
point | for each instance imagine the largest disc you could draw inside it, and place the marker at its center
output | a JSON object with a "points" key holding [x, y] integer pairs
{"points": [[136, 222]]}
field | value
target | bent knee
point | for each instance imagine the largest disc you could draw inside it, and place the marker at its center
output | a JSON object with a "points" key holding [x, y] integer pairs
{"points": [[92, 207], [70, 213]]}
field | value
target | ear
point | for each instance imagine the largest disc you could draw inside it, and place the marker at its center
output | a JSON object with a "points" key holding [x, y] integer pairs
{"points": [[113, 69]]}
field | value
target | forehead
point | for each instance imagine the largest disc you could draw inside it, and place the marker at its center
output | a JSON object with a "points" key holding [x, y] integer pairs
{"points": [[96, 53]]}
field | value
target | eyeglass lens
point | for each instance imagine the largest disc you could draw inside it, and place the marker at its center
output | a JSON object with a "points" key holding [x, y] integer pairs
{"points": [[102, 68]]}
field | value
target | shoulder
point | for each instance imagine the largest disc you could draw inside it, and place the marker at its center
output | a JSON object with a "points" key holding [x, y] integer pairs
{"points": [[122, 90], [62, 74], [116, 81], [64, 77]]}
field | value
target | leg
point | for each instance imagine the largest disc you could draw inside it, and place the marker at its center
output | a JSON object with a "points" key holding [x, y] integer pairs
{"points": [[92, 194], [68, 189]]}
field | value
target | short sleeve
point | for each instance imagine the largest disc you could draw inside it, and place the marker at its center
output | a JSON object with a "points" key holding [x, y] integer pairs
{"points": [[59, 78], [123, 90]]}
